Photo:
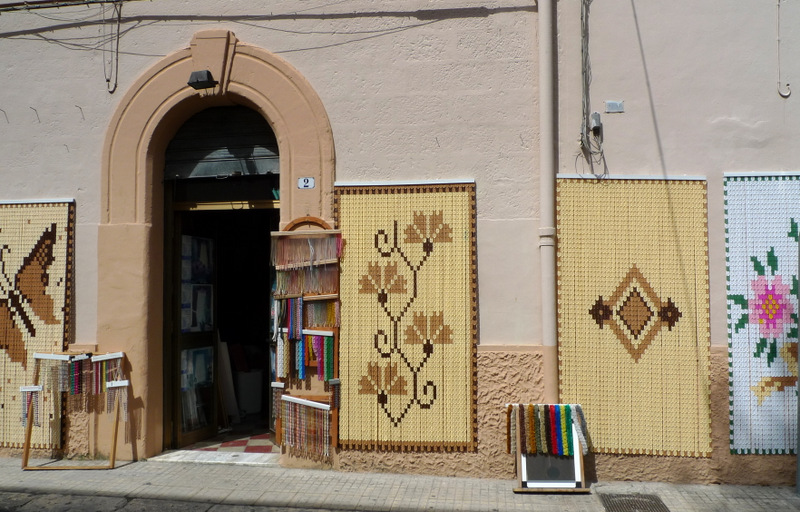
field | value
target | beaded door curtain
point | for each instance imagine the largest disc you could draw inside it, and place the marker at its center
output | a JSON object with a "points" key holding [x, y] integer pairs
{"points": [[35, 283], [408, 317], [633, 319], [761, 220]]}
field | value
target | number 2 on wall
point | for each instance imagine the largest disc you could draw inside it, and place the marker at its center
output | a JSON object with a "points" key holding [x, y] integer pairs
{"points": [[305, 183]]}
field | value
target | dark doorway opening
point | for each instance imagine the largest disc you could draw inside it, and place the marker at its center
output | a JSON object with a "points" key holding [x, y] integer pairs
{"points": [[240, 291], [221, 203]]}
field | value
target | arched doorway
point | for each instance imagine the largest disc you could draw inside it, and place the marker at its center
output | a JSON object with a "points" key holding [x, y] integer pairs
{"points": [[221, 198], [131, 231]]}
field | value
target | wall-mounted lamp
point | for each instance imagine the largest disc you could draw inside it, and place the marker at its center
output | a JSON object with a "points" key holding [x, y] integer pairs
{"points": [[201, 80]]}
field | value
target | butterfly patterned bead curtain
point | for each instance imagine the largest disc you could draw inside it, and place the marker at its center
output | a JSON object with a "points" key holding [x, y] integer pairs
{"points": [[35, 296]]}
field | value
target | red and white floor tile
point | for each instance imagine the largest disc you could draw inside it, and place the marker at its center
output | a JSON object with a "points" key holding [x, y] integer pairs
{"points": [[256, 443], [250, 444]]}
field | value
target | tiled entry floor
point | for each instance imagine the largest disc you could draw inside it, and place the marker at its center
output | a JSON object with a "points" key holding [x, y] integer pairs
{"points": [[247, 443], [237, 442]]}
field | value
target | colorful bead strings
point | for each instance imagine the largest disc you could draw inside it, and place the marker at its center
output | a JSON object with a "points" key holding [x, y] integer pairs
{"points": [[545, 428], [306, 430], [29, 397]]}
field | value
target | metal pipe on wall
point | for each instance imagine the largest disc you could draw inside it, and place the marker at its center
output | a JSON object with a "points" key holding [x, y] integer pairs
{"points": [[547, 207]]}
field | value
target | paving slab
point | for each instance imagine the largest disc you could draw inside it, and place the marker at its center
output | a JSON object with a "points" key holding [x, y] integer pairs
{"points": [[180, 485], [69, 503], [14, 500], [150, 505]]}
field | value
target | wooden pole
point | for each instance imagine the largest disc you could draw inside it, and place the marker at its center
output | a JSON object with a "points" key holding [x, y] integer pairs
{"points": [[26, 448]]}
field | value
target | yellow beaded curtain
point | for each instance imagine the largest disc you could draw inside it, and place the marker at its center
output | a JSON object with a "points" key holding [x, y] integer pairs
{"points": [[35, 283], [408, 317], [633, 321]]}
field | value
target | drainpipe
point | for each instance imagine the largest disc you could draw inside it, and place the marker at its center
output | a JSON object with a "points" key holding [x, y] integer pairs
{"points": [[547, 207]]}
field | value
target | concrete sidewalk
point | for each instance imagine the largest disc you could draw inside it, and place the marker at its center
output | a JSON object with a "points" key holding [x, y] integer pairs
{"points": [[164, 485]]}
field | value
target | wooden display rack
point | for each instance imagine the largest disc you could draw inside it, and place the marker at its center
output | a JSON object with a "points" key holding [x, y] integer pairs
{"points": [[311, 227], [66, 356], [549, 473]]}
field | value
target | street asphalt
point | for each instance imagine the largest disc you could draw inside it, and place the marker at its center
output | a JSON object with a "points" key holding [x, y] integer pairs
{"points": [[166, 485]]}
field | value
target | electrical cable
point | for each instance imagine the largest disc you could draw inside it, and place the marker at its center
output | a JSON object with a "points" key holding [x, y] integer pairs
{"points": [[111, 63], [788, 91], [591, 141]]}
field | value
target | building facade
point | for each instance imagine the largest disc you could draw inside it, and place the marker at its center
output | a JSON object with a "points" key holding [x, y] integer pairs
{"points": [[560, 234]]}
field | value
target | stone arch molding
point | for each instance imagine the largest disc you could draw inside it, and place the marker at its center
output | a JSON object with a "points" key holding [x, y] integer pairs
{"points": [[130, 233], [160, 100]]}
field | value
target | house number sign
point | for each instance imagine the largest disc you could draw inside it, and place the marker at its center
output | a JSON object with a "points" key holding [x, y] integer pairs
{"points": [[305, 183]]}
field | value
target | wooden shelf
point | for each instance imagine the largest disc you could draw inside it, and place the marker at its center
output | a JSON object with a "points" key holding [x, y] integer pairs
{"points": [[314, 331], [302, 240], [308, 297], [327, 296], [305, 264], [307, 232], [263, 204]]}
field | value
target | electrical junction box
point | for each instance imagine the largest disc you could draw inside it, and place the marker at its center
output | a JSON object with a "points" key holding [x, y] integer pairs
{"points": [[615, 107]]}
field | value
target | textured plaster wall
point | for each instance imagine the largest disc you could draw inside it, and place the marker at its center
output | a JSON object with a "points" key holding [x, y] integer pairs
{"points": [[720, 468], [503, 376], [516, 376]]}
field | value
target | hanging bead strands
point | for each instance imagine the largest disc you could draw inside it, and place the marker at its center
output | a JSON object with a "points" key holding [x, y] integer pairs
{"points": [[297, 314], [317, 343], [336, 393], [45, 397], [113, 382], [545, 429], [306, 263], [306, 428], [277, 393], [63, 376], [321, 313], [287, 356], [304, 248], [312, 280], [294, 318], [301, 358], [329, 349], [30, 394], [280, 349]]}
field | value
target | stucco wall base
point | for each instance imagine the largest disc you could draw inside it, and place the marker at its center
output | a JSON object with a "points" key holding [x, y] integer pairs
{"points": [[77, 443], [514, 374], [721, 468], [503, 376], [289, 461]]}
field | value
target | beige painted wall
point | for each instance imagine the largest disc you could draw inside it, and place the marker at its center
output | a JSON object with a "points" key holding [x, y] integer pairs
{"points": [[453, 98], [699, 83], [449, 90]]}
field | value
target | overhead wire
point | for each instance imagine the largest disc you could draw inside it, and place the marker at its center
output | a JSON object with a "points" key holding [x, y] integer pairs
{"points": [[91, 14], [591, 141], [788, 92], [31, 5], [111, 55]]}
